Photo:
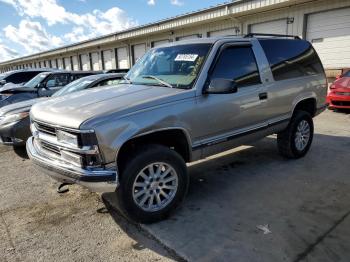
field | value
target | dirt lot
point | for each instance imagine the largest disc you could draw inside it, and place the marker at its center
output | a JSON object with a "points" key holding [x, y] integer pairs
{"points": [[305, 204]]}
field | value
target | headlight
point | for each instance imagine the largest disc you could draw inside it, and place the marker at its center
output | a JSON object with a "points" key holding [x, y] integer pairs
{"points": [[6, 119], [67, 138]]}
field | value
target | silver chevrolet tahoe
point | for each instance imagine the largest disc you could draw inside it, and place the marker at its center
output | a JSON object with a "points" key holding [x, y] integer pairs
{"points": [[181, 102]]}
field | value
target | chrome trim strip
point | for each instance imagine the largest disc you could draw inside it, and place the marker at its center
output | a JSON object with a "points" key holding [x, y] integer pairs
{"points": [[228, 136], [79, 131]]}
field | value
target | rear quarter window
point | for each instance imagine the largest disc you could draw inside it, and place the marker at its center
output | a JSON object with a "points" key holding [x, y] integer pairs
{"points": [[291, 58]]}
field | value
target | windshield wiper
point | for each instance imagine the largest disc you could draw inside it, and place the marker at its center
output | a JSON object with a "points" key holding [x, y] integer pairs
{"points": [[127, 79], [159, 80]]}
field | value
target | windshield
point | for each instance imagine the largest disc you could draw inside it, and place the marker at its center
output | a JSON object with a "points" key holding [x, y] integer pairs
{"points": [[177, 66], [2, 76], [36, 80], [75, 86]]}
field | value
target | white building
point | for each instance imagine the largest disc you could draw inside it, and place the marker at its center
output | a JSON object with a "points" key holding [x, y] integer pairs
{"points": [[326, 23]]}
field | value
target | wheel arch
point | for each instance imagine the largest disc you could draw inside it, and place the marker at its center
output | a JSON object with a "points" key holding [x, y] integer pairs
{"points": [[176, 138]]}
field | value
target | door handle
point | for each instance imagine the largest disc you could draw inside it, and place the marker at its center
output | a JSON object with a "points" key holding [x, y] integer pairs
{"points": [[263, 96]]}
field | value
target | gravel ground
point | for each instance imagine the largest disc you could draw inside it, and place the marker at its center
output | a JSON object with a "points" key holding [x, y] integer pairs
{"points": [[37, 224]]}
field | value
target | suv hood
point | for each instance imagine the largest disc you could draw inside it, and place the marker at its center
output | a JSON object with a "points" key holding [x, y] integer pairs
{"points": [[20, 106], [9, 89], [74, 109]]}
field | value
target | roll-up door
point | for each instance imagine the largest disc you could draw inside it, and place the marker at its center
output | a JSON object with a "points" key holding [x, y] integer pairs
{"points": [[223, 32], [53, 63], [95, 61], [60, 63], [85, 63], [138, 51], [329, 32], [107, 59], [75, 63], [271, 27], [67, 63], [122, 55], [160, 42], [187, 37]]}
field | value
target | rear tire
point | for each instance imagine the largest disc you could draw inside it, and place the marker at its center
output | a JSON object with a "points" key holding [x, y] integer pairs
{"points": [[295, 141], [153, 183]]}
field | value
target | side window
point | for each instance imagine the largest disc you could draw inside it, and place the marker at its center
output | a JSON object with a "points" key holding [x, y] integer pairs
{"points": [[238, 64], [58, 80], [29, 75], [291, 58]]}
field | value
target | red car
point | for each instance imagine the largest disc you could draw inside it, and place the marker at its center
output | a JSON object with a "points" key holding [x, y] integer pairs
{"points": [[339, 94]]}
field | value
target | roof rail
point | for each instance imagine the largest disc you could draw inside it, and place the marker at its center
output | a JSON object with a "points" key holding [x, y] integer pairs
{"points": [[272, 35]]}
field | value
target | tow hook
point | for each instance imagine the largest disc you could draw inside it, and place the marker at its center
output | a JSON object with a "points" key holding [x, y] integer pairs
{"points": [[63, 188]]}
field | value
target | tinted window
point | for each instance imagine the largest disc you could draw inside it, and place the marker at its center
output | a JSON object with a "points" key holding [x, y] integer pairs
{"points": [[347, 74], [56, 80], [238, 64], [291, 58]]}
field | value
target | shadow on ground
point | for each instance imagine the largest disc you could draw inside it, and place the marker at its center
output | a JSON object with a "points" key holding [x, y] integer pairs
{"points": [[230, 196]]}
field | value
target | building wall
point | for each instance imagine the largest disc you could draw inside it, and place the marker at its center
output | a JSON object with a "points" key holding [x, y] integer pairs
{"points": [[239, 17]]}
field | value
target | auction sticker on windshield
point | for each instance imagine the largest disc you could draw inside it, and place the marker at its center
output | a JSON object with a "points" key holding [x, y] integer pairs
{"points": [[186, 57]]}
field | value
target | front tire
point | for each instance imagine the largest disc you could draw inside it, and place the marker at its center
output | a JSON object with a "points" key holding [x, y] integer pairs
{"points": [[153, 183], [295, 141]]}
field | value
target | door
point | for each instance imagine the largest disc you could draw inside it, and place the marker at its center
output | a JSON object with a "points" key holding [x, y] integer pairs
{"points": [[138, 51], [223, 32], [53, 63], [95, 61], [329, 33], [271, 27], [160, 42], [67, 63], [59, 63], [75, 63], [85, 64], [122, 55], [235, 113], [107, 59]]}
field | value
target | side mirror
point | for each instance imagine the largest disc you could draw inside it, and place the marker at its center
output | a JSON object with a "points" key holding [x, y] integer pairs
{"points": [[51, 83], [221, 86], [40, 85]]}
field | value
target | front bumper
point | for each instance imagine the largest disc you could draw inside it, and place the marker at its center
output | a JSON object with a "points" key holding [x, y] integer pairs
{"points": [[338, 101], [16, 133], [96, 180]]}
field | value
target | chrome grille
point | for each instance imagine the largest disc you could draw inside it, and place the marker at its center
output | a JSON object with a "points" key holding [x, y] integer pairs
{"points": [[52, 148], [45, 128]]}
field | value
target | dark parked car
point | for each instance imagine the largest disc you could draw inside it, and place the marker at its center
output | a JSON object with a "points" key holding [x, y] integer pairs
{"points": [[20, 76], [14, 118], [44, 84]]}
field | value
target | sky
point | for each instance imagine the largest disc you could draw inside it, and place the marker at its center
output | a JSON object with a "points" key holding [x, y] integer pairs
{"points": [[31, 26]]}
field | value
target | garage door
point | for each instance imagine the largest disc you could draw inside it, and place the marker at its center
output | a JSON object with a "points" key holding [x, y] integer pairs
{"points": [[95, 61], [67, 63], [85, 63], [224, 32], [329, 33], [138, 51], [271, 27], [59, 64], [187, 37], [122, 55], [53, 63], [160, 42], [107, 59], [75, 63]]}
